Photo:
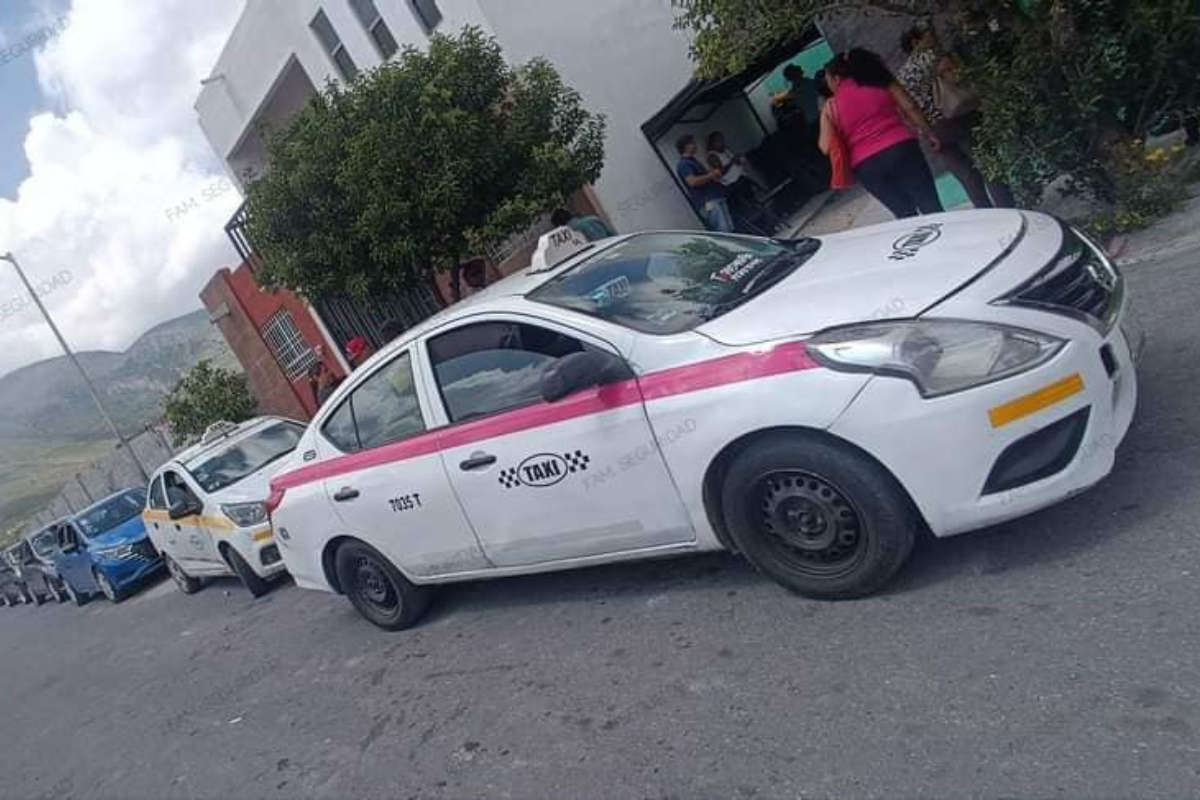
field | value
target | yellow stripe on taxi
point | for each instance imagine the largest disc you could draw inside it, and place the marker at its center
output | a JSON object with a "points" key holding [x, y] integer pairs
{"points": [[1032, 403], [263, 535]]}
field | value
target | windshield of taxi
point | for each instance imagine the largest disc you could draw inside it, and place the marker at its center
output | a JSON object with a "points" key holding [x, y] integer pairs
{"points": [[111, 513], [664, 283], [217, 471]]}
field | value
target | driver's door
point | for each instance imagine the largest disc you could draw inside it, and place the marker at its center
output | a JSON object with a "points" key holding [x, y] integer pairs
{"points": [[193, 545], [547, 481], [73, 561]]}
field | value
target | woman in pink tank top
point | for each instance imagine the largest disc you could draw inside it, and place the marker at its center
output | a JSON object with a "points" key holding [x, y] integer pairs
{"points": [[877, 118]]}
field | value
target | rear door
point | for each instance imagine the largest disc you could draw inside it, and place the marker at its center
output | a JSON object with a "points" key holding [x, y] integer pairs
{"points": [[548, 481], [389, 489]]}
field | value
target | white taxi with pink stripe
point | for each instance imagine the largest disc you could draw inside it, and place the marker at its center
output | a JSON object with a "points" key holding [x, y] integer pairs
{"points": [[810, 404]]}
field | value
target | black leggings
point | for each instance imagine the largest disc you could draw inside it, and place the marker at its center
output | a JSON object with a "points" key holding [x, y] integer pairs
{"points": [[899, 177]]}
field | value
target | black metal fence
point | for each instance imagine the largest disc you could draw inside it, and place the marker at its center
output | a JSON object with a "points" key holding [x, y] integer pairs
{"points": [[347, 318]]}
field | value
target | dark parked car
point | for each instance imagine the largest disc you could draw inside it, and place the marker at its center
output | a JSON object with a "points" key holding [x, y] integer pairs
{"points": [[36, 564], [13, 590]]}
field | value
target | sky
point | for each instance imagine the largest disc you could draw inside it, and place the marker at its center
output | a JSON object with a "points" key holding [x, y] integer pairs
{"points": [[98, 142]]}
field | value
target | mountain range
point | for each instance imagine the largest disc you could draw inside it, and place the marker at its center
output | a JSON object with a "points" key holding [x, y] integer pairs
{"points": [[49, 425]]}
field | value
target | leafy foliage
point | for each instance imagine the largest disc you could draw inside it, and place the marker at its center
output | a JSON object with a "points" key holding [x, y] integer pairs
{"points": [[417, 164], [728, 35], [1067, 85], [204, 395]]}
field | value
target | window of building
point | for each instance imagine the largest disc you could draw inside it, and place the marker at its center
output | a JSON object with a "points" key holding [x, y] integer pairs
{"points": [[371, 19], [383, 409], [427, 13], [291, 351], [332, 43]]}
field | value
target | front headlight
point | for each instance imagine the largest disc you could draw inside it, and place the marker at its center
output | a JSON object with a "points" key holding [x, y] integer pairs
{"points": [[245, 514], [939, 356]]}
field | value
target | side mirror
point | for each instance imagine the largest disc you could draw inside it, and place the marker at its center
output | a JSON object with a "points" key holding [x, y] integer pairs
{"points": [[579, 371], [184, 507]]}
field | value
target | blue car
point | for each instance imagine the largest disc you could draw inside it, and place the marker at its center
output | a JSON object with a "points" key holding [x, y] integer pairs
{"points": [[105, 549]]}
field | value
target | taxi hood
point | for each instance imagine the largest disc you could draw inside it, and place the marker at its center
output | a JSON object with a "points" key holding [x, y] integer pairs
{"points": [[898, 269]]}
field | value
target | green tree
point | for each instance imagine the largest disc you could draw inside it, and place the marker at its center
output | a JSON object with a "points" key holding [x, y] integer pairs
{"points": [[1067, 85], [417, 165], [203, 395]]}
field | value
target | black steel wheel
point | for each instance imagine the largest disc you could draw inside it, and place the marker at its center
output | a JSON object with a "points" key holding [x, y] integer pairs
{"points": [[817, 516], [186, 583], [107, 588], [809, 522], [75, 596], [377, 589], [256, 585]]}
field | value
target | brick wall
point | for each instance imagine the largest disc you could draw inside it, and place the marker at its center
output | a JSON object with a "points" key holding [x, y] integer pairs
{"points": [[241, 308]]}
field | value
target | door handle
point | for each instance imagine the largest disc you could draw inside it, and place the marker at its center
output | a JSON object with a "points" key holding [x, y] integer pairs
{"points": [[477, 462], [345, 493]]}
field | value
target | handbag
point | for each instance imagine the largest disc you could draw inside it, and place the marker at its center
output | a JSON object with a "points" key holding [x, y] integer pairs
{"points": [[841, 174], [953, 99]]}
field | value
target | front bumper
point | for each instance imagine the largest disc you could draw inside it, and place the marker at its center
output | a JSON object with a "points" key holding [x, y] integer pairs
{"points": [[127, 572], [262, 553], [944, 450]]}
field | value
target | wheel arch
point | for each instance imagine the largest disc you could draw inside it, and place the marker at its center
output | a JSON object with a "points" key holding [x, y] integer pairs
{"points": [[329, 560], [715, 474]]}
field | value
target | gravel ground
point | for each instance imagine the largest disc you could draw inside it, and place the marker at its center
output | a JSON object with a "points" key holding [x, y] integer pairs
{"points": [[1054, 656]]}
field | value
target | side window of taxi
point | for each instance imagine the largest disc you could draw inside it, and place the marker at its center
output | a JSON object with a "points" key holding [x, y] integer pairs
{"points": [[176, 489], [158, 499], [382, 409], [487, 367]]}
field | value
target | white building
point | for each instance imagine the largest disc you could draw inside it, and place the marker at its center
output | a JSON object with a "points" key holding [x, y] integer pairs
{"points": [[624, 57]]}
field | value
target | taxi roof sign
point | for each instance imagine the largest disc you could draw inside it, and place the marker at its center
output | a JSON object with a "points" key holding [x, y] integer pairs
{"points": [[556, 247]]}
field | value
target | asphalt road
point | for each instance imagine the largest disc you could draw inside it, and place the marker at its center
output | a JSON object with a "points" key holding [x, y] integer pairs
{"points": [[1055, 656]]}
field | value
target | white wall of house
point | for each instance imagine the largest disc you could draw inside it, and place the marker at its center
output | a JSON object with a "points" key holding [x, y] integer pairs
{"points": [[622, 55], [627, 61]]}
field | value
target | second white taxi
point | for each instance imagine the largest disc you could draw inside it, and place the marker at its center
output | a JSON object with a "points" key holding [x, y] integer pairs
{"points": [[811, 404], [206, 511]]}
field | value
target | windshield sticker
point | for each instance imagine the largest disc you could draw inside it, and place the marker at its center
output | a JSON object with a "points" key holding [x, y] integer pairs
{"points": [[606, 294], [544, 469], [909, 245], [737, 269]]}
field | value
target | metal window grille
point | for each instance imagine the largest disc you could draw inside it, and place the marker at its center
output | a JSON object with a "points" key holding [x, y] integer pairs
{"points": [[323, 28], [291, 352]]}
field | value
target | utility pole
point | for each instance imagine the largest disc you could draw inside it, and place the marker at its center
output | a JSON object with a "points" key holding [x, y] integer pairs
{"points": [[112, 426]]}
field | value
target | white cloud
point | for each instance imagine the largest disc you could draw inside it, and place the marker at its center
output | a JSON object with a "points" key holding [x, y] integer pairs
{"points": [[104, 172]]}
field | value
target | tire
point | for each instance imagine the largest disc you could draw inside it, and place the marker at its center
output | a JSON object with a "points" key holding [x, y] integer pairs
{"points": [[37, 598], [817, 517], [60, 594], [111, 592], [186, 583], [256, 585], [74, 596], [377, 589]]}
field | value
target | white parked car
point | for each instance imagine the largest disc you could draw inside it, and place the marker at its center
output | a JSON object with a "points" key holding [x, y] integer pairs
{"points": [[810, 404], [206, 510]]}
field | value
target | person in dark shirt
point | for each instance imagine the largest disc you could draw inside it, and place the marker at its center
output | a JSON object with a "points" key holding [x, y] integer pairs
{"points": [[704, 186]]}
